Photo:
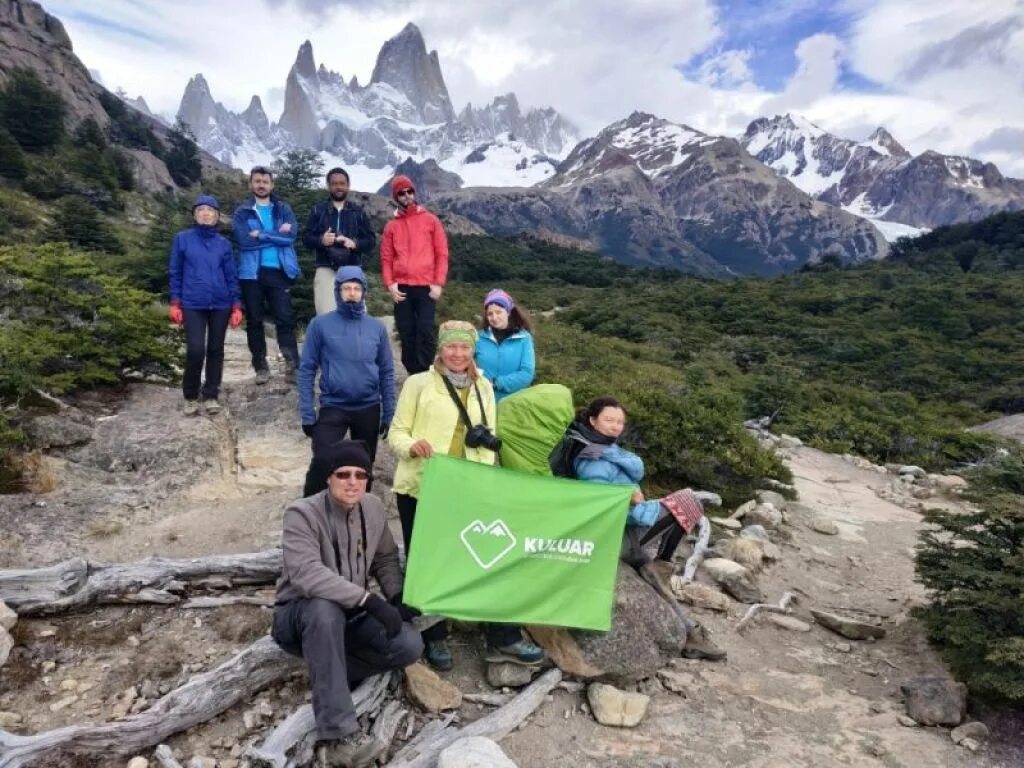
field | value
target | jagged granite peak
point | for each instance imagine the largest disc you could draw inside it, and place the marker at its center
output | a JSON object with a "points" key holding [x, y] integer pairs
{"points": [[428, 178], [878, 179], [298, 117], [31, 38], [304, 65], [255, 117], [404, 64], [197, 107], [353, 84]]}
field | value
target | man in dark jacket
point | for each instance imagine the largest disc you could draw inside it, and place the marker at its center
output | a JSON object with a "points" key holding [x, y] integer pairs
{"points": [[325, 612], [339, 232], [357, 376], [265, 231]]}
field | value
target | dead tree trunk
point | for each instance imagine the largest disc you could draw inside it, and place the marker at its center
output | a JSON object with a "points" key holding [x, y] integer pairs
{"points": [[200, 699], [422, 751], [77, 583]]}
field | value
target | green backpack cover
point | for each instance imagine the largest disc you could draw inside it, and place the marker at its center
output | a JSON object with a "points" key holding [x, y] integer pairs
{"points": [[531, 423]]}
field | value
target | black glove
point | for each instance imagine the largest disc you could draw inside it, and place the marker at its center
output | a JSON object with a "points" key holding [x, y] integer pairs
{"points": [[384, 429], [386, 614], [307, 429], [408, 612]]}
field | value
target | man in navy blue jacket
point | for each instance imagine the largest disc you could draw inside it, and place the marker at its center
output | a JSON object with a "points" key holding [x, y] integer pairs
{"points": [[357, 376], [339, 233], [265, 230]]}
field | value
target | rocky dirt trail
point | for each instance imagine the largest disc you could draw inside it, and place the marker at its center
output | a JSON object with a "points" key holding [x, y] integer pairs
{"points": [[151, 482]]}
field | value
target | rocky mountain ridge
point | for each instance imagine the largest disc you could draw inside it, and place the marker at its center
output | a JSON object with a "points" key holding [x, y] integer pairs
{"points": [[879, 179], [405, 111]]}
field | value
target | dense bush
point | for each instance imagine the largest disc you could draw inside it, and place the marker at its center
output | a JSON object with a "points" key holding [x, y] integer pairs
{"points": [[974, 566], [66, 325], [31, 112], [79, 223], [13, 165], [182, 156]]}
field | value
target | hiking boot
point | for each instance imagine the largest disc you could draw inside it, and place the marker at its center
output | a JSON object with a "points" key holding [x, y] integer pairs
{"points": [[289, 372], [439, 655], [658, 573], [262, 375], [212, 407], [700, 646], [190, 408], [357, 750], [521, 652]]}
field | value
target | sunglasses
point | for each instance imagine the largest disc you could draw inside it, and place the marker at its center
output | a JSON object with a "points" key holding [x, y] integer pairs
{"points": [[348, 474], [406, 193]]}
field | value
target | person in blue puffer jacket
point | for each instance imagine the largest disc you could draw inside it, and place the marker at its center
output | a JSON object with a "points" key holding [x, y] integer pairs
{"points": [[504, 351], [265, 230], [357, 376], [205, 299]]}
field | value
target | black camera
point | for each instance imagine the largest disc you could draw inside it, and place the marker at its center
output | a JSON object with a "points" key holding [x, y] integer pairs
{"points": [[482, 437]]}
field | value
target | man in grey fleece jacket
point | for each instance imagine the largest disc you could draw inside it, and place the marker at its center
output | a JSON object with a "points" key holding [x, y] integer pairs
{"points": [[333, 542]]}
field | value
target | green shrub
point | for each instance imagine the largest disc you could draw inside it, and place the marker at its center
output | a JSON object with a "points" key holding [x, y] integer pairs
{"points": [[182, 156], [79, 223], [12, 157], [973, 563], [33, 113]]}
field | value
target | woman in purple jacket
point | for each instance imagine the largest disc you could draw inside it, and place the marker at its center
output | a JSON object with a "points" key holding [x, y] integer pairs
{"points": [[205, 299]]}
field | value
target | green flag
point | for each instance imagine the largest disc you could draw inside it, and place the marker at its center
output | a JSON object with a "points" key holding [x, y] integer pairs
{"points": [[491, 544]]}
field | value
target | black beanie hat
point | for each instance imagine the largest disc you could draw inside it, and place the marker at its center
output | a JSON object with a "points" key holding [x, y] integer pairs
{"points": [[348, 453]]}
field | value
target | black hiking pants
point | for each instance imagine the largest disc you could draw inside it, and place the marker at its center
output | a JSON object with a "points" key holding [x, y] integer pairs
{"points": [[339, 651], [272, 289], [498, 635], [205, 330], [414, 320], [332, 424]]}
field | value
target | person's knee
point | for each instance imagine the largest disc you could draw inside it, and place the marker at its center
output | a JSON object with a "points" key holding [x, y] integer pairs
{"points": [[408, 646], [319, 615], [195, 355]]}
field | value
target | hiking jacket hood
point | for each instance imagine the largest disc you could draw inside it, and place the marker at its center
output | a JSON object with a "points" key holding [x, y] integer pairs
{"points": [[352, 351], [509, 366], [414, 249], [311, 569], [247, 220], [202, 270], [617, 466], [351, 221], [426, 412]]}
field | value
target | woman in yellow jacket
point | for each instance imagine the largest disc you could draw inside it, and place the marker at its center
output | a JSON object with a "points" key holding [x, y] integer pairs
{"points": [[426, 422]]}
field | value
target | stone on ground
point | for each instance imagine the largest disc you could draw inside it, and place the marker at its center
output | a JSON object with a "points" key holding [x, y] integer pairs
{"points": [[726, 522], [847, 627], [756, 532], [789, 622], [701, 596], [564, 651], [506, 673], [138, 762], [429, 691], [617, 708], [823, 525], [774, 498], [935, 700], [6, 644], [973, 730], [645, 633], [734, 579], [747, 552], [474, 752], [8, 618], [766, 515]]}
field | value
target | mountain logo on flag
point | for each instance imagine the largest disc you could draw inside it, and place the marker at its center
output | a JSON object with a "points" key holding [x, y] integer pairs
{"points": [[488, 543]]}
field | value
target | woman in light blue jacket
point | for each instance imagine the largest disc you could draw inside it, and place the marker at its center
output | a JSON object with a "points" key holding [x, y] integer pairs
{"points": [[504, 351]]}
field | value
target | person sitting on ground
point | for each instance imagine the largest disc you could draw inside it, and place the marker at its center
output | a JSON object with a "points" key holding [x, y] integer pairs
{"points": [[205, 298], [504, 351], [427, 421], [333, 542], [600, 459], [352, 352]]}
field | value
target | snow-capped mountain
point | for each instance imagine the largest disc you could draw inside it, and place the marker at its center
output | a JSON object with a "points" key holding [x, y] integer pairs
{"points": [[649, 191], [878, 179], [404, 112]]}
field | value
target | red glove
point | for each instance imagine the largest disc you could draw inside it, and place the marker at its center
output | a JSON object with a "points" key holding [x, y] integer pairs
{"points": [[175, 314], [236, 317]]}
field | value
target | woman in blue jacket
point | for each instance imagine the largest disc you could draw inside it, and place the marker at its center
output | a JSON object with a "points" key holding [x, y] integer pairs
{"points": [[205, 299], [504, 351]]}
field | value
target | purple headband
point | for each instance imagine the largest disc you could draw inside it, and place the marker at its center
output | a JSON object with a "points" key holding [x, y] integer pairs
{"points": [[499, 297]]}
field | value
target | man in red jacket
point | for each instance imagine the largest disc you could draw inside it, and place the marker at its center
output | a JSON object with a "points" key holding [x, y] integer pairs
{"points": [[414, 266]]}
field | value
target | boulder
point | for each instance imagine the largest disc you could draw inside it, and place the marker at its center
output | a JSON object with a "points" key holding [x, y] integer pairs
{"points": [[823, 525], [774, 498], [754, 532], [910, 469], [616, 708], [935, 700], [645, 632], [847, 627], [564, 651], [9, 719], [765, 515], [503, 674], [790, 441], [8, 618], [726, 522], [70, 427], [429, 691], [138, 762], [6, 644], [789, 622], [474, 752], [701, 596], [734, 579], [973, 730]]}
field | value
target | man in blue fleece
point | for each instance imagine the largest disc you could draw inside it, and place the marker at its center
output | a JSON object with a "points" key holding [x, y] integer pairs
{"points": [[357, 376]]}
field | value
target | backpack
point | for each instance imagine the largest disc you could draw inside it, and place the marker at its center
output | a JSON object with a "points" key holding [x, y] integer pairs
{"points": [[562, 458]]}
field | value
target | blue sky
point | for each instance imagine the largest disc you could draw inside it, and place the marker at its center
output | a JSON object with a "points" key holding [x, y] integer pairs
{"points": [[939, 74]]}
